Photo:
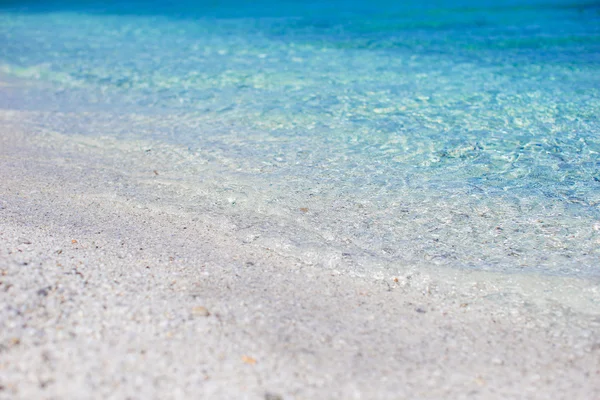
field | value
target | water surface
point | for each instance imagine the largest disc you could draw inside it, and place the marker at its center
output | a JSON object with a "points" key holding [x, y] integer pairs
{"points": [[367, 133]]}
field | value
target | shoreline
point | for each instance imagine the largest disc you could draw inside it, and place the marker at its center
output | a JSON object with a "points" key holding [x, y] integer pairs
{"points": [[115, 290]]}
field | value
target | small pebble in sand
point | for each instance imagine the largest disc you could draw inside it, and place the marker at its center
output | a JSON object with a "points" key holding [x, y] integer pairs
{"points": [[74, 241], [272, 396], [23, 240], [200, 311], [304, 209], [249, 360], [479, 380]]}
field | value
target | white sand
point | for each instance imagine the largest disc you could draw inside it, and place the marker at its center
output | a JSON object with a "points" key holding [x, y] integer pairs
{"points": [[106, 283]]}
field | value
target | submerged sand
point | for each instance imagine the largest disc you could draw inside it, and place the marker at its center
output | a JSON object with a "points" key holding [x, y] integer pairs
{"points": [[109, 288]]}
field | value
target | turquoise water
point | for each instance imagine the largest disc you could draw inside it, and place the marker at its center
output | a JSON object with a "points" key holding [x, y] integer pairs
{"points": [[462, 134]]}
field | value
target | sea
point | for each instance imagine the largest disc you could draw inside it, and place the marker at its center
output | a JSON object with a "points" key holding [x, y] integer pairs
{"points": [[359, 133]]}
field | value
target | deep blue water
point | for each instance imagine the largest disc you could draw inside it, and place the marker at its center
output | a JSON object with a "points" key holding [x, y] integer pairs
{"points": [[460, 133]]}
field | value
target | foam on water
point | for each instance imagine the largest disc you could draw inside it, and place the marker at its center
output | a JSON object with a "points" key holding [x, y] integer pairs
{"points": [[465, 136]]}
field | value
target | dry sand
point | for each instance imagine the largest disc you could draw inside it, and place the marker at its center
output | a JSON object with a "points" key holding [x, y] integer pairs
{"points": [[109, 289]]}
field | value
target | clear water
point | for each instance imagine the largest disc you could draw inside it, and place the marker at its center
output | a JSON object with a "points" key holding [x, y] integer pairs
{"points": [[360, 133]]}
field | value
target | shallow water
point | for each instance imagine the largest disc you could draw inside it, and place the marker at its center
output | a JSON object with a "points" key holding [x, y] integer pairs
{"points": [[363, 133]]}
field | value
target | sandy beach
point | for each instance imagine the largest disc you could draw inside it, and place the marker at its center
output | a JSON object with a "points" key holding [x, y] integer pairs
{"points": [[109, 288]]}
